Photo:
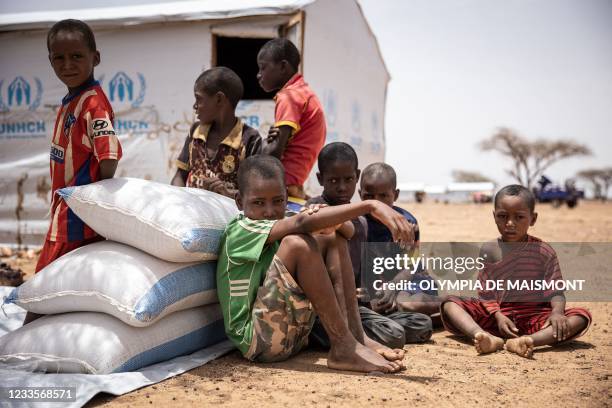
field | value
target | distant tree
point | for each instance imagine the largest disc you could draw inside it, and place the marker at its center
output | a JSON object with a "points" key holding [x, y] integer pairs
{"points": [[466, 176], [601, 180], [531, 158]]}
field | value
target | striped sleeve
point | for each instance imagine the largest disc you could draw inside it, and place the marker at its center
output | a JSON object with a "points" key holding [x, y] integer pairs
{"points": [[488, 298], [101, 132], [245, 242], [289, 109]]}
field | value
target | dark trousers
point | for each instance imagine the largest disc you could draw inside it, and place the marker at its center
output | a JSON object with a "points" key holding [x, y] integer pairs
{"points": [[393, 330]]}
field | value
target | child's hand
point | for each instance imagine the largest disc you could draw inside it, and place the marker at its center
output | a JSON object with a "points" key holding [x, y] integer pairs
{"points": [[273, 134], [401, 230], [314, 208], [385, 304], [560, 327], [219, 187], [506, 326]]}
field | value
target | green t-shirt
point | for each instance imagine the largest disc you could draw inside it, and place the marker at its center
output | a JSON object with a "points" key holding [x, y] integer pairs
{"points": [[244, 258]]}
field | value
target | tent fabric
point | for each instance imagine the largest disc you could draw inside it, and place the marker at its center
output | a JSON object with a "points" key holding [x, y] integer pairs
{"points": [[87, 385], [152, 13]]}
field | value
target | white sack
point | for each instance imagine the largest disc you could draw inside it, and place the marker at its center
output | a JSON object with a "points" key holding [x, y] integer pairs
{"points": [[96, 343], [162, 220], [119, 280]]}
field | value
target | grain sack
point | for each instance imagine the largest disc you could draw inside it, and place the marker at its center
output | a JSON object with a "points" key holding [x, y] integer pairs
{"points": [[162, 220], [96, 343], [119, 280]]}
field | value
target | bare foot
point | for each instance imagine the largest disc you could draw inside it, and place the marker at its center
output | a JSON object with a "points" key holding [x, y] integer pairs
{"points": [[388, 353], [523, 346], [359, 358], [487, 343]]}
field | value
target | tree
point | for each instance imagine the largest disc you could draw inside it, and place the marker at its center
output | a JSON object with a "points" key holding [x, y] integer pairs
{"points": [[465, 176], [531, 158], [601, 180]]}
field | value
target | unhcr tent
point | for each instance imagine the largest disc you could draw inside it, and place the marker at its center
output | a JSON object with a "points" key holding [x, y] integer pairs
{"points": [[151, 55]]}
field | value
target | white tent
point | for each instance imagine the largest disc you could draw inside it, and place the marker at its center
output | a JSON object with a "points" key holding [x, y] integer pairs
{"points": [[151, 54]]}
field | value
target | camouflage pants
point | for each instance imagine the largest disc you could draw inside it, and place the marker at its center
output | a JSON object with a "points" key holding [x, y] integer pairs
{"points": [[282, 317]]}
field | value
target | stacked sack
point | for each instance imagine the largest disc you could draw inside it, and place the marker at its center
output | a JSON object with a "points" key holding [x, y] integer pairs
{"points": [[145, 295]]}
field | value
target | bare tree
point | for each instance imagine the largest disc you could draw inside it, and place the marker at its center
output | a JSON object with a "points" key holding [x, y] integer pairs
{"points": [[601, 180], [466, 176], [531, 158]]}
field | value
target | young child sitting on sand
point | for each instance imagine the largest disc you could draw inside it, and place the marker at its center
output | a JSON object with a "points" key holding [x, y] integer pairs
{"points": [[527, 319], [339, 174], [379, 182], [273, 274]]}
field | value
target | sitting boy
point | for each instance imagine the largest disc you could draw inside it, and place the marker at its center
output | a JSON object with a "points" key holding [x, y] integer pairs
{"points": [[526, 319], [338, 175], [299, 131], [379, 182], [273, 274], [218, 141]]}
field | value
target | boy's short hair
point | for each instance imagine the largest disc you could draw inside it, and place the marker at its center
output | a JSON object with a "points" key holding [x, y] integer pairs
{"points": [[260, 165], [72, 25], [221, 79], [282, 49], [335, 152], [516, 190], [383, 170]]}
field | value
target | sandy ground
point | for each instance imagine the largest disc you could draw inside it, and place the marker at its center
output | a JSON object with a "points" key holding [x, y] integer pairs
{"points": [[442, 373]]}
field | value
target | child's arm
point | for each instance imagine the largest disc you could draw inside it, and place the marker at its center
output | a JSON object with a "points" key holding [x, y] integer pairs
{"points": [[401, 229], [346, 229], [108, 168], [277, 140], [557, 318], [180, 178]]}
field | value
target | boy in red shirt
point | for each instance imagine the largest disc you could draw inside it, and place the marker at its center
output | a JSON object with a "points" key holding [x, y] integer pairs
{"points": [[299, 127], [84, 148], [527, 319]]}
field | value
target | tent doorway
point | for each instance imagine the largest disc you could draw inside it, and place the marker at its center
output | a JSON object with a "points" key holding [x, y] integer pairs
{"points": [[240, 55]]}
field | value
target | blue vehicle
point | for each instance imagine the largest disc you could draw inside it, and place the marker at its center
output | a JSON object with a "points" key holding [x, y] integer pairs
{"points": [[550, 193]]}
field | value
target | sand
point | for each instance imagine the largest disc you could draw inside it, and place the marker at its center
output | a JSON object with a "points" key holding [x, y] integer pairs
{"points": [[441, 373]]}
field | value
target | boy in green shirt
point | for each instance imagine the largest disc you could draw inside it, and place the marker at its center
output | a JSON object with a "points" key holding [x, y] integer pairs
{"points": [[273, 273]]}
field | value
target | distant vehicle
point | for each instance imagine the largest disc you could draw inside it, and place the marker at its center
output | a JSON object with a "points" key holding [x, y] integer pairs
{"points": [[550, 193], [481, 197]]}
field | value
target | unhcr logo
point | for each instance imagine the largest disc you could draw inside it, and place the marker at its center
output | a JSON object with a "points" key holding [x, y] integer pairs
{"points": [[20, 94], [19, 101], [123, 89]]}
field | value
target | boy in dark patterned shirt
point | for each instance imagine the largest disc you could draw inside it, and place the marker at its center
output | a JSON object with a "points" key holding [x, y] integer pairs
{"points": [[218, 141]]}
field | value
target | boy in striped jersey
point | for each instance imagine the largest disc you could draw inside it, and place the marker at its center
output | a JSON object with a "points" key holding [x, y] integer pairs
{"points": [[273, 271], [84, 148], [527, 319]]}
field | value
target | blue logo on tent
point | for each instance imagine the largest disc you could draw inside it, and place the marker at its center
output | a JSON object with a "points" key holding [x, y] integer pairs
{"points": [[329, 103], [123, 89], [20, 94]]}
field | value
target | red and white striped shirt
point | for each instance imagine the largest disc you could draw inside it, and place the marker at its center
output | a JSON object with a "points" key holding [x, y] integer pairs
{"points": [[83, 136]]}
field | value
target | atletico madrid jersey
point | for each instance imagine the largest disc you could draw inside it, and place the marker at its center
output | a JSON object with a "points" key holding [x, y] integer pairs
{"points": [[83, 136]]}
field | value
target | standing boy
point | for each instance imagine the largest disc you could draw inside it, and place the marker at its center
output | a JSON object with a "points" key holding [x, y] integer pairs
{"points": [[272, 271], [527, 319], [299, 128], [218, 141], [84, 148]]}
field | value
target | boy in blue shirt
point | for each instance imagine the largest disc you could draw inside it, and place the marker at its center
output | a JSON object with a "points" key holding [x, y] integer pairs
{"points": [[338, 175], [379, 182]]}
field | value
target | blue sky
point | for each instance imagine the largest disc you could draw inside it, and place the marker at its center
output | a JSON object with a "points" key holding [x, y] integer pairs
{"points": [[462, 68]]}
